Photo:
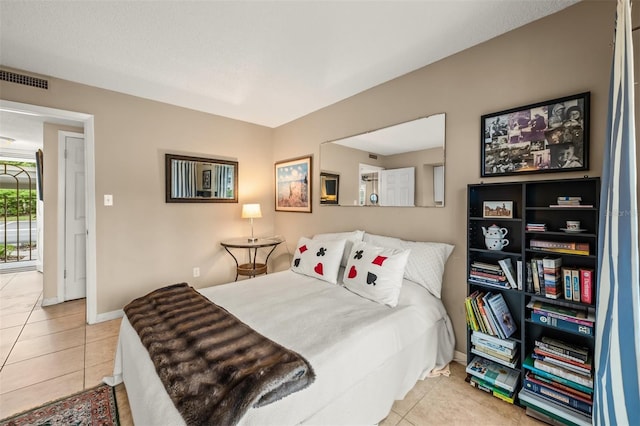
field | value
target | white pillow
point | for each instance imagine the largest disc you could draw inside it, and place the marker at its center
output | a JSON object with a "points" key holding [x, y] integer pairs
{"points": [[351, 237], [426, 261], [376, 272], [318, 259]]}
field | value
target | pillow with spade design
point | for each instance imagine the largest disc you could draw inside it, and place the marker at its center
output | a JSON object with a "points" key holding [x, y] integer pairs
{"points": [[318, 259], [376, 273]]}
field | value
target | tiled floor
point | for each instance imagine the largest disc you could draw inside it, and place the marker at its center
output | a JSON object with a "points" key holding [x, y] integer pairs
{"points": [[47, 353]]}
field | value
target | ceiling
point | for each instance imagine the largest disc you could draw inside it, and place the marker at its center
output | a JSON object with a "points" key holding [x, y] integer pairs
{"points": [[265, 62]]}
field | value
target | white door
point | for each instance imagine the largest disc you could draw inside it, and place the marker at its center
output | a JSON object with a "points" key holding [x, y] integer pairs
{"points": [[397, 187], [75, 280]]}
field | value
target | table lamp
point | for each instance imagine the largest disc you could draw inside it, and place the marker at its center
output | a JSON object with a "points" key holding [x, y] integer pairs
{"points": [[251, 211]]}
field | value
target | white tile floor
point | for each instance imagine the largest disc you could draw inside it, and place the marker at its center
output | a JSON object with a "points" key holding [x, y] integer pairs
{"points": [[48, 353]]}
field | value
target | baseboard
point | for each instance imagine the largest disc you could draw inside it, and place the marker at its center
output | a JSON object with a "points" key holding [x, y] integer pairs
{"points": [[108, 316], [50, 301], [460, 357]]}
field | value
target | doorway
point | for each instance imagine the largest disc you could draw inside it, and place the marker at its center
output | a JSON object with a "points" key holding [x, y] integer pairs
{"points": [[89, 195]]}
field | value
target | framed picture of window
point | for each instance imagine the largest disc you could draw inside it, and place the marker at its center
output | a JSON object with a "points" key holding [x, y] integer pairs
{"points": [[293, 185], [547, 137]]}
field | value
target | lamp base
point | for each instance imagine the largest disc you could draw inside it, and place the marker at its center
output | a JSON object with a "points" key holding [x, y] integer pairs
{"points": [[252, 240]]}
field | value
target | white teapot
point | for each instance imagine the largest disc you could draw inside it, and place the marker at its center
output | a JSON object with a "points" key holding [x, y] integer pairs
{"points": [[494, 237]]}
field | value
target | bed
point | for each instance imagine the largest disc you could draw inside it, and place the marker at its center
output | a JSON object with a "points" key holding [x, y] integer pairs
{"points": [[365, 353]]}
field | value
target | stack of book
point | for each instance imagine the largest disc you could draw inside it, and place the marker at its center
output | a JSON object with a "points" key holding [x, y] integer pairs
{"points": [[552, 274], [567, 318], [492, 377], [489, 314], [566, 247], [559, 381], [578, 284], [567, 201], [502, 351], [501, 275], [537, 227]]}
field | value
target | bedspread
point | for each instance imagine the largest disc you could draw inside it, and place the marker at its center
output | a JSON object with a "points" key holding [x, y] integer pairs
{"points": [[213, 366]]}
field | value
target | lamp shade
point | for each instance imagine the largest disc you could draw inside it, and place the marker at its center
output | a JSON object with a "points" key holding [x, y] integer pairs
{"points": [[251, 211]]}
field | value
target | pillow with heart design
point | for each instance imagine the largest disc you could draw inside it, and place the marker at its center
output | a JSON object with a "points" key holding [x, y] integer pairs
{"points": [[318, 259], [376, 273]]}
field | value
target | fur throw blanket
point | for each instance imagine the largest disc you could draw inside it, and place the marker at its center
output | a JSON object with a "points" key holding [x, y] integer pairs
{"points": [[213, 366]]}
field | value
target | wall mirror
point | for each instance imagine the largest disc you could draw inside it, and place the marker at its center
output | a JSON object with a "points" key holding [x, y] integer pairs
{"points": [[399, 165], [200, 180]]}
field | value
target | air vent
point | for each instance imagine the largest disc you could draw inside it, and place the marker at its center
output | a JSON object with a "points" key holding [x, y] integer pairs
{"points": [[373, 156], [26, 80]]}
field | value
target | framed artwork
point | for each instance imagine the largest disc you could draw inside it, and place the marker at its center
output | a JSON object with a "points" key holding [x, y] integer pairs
{"points": [[329, 188], [206, 179], [293, 185], [497, 209], [547, 137]]}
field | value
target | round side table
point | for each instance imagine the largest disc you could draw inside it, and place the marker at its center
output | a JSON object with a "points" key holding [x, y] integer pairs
{"points": [[253, 267]]}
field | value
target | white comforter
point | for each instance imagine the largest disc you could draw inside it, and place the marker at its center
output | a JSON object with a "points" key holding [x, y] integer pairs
{"points": [[346, 338]]}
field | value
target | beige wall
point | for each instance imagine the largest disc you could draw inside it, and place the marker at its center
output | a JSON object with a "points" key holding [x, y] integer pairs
{"points": [[566, 53], [143, 242]]}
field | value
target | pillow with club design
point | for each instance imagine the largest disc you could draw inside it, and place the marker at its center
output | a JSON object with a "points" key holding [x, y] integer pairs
{"points": [[349, 237], [376, 273], [318, 259]]}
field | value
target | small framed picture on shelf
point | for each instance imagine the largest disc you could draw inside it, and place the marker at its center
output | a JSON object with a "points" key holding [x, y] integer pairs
{"points": [[503, 209], [550, 136]]}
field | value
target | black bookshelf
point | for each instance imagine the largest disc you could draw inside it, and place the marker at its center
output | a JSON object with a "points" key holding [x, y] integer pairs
{"points": [[531, 204]]}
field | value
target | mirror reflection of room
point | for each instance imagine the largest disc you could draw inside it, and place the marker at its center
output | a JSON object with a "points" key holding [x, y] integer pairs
{"points": [[192, 179], [400, 165]]}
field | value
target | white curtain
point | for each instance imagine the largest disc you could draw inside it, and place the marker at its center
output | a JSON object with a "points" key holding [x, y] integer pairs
{"points": [[185, 180]]}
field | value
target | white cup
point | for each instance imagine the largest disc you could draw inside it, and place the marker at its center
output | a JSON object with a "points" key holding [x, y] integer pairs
{"points": [[573, 224]]}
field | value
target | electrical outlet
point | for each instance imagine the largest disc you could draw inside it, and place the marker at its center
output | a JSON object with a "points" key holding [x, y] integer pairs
{"points": [[108, 200], [196, 272]]}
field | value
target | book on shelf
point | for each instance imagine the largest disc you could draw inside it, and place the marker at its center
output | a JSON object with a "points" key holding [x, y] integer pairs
{"points": [[553, 410], [587, 313], [544, 318], [552, 277], [565, 318], [567, 283], [535, 277], [508, 355], [529, 364], [508, 346], [529, 278], [507, 267], [490, 315], [556, 385], [544, 418], [562, 251], [519, 274], [575, 285], [489, 388], [538, 227], [586, 285], [563, 372], [502, 314], [569, 245], [556, 395], [566, 349], [494, 373], [588, 206], [538, 354], [509, 362]]}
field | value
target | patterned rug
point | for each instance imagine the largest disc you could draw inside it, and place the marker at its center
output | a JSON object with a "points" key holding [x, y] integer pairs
{"points": [[93, 407]]}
